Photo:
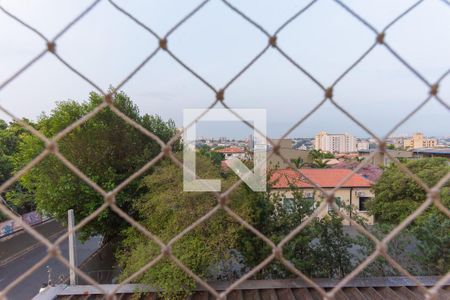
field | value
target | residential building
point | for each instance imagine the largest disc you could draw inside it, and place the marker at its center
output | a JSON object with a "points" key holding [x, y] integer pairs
{"points": [[335, 143], [287, 151], [369, 171], [419, 141], [233, 152], [355, 191]]}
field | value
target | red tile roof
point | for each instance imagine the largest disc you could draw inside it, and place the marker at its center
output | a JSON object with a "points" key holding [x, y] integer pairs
{"points": [[231, 150], [286, 178]]}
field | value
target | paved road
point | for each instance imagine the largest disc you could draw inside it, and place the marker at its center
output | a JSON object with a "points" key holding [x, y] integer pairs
{"points": [[29, 287]]}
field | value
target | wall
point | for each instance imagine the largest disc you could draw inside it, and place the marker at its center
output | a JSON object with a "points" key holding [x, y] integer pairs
{"points": [[343, 194]]}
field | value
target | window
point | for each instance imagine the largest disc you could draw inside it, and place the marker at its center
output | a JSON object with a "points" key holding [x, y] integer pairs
{"points": [[362, 203]]}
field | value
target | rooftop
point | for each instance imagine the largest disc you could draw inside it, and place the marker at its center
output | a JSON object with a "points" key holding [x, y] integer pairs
{"points": [[231, 150], [293, 289], [285, 178], [433, 150]]}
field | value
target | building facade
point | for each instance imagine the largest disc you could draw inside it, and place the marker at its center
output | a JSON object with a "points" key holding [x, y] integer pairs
{"points": [[419, 141], [233, 152], [355, 192], [335, 143]]}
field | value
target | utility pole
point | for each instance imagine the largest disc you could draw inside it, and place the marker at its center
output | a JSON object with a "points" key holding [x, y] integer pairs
{"points": [[72, 252]]}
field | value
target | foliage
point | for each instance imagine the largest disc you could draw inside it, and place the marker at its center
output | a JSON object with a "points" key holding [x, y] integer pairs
{"points": [[10, 135], [105, 148], [432, 230], [213, 155], [320, 250], [298, 162], [397, 195], [319, 163], [319, 154], [165, 210], [396, 250], [390, 147]]}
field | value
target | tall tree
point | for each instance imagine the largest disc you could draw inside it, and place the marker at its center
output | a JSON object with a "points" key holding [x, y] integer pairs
{"points": [[17, 197], [166, 210], [397, 196], [105, 148]]}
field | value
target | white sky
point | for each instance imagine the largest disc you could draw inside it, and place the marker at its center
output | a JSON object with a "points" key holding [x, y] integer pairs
{"points": [[217, 43]]}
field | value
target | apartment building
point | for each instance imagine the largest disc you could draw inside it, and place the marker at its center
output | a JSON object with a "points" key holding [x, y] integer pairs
{"points": [[336, 143], [419, 141], [356, 191]]}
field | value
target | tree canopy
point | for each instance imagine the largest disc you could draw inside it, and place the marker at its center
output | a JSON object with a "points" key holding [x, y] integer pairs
{"points": [[397, 196], [105, 148], [319, 250], [166, 210]]}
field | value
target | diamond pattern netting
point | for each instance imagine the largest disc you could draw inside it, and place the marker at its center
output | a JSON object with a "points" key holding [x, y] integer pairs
{"points": [[51, 148]]}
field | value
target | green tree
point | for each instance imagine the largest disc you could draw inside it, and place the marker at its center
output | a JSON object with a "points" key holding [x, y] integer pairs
{"points": [[105, 148], [213, 155], [397, 195], [319, 154], [319, 163], [17, 198], [320, 250], [166, 210], [432, 230], [298, 162]]}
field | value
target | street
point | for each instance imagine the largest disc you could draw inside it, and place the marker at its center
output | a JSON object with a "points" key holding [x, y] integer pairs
{"points": [[29, 287]]}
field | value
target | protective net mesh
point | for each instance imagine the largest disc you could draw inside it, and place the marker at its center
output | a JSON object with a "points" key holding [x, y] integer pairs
{"points": [[51, 148]]}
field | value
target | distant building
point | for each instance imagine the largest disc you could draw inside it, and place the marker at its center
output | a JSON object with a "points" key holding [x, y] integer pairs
{"points": [[381, 159], [276, 162], [362, 145], [419, 141], [398, 142], [443, 152], [355, 191], [335, 143]]}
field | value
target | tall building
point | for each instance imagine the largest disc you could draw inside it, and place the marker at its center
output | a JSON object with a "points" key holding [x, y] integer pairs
{"points": [[340, 143], [419, 141]]}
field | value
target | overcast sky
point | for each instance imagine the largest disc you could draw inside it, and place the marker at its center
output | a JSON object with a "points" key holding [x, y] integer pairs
{"points": [[217, 43]]}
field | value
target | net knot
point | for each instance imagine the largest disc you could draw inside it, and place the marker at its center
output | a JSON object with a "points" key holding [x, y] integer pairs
{"points": [[108, 99], [53, 250], [329, 93], [220, 95], [163, 44], [52, 146], [380, 38], [277, 252], [51, 47], [273, 41], [434, 89], [110, 198]]}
